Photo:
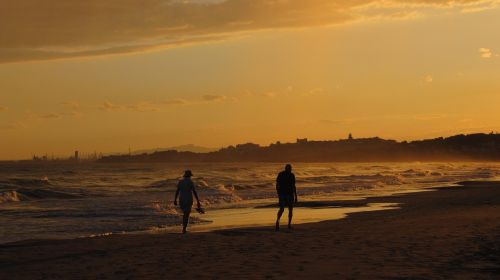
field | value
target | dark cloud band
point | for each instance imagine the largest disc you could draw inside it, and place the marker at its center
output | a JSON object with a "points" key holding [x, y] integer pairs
{"points": [[40, 29]]}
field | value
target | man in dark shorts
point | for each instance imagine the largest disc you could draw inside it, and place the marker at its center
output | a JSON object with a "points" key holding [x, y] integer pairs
{"points": [[287, 194]]}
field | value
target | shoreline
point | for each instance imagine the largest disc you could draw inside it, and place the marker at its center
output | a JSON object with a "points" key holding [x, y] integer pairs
{"points": [[335, 209], [262, 212], [453, 232]]}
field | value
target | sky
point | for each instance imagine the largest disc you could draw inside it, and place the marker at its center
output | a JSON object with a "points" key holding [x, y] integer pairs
{"points": [[107, 76]]}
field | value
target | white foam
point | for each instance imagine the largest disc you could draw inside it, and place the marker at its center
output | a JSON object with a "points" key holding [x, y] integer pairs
{"points": [[9, 196]]}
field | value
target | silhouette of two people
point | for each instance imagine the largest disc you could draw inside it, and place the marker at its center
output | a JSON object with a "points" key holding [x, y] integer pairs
{"points": [[285, 188], [287, 194]]}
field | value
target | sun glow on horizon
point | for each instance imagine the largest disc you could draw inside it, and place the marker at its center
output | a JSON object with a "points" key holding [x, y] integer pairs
{"points": [[94, 77]]}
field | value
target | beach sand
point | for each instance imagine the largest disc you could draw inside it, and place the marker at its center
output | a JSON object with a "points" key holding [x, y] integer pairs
{"points": [[451, 233]]}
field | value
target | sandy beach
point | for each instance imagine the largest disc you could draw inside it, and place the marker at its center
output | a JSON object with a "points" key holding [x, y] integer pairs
{"points": [[450, 233]]}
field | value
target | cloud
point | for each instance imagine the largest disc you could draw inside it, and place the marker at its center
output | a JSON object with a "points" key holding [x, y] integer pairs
{"points": [[143, 107], [71, 105], [40, 30], [480, 6], [49, 116], [11, 126], [138, 107], [73, 114], [428, 79], [485, 53], [213, 97], [314, 92], [108, 106], [73, 109], [331, 122], [265, 94], [269, 94], [286, 92], [30, 118], [430, 117], [175, 101]]}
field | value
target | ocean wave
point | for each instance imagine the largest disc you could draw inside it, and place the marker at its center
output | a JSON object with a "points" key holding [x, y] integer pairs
{"points": [[219, 193], [21, 182], [317, 179], [415, 173], [202, 183], [35, 194], [164, 183], [384, 179], [133, 170], [10, 196], [242, 187], [482, 172]]}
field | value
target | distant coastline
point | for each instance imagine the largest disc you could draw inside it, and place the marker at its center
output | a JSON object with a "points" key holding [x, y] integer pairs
{"points": [[472, 147]]}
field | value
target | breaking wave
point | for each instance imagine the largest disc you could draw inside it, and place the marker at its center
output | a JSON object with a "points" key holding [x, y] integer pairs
{"points": [[21, 182], [34, 194], [218, 193], [10, 196]]}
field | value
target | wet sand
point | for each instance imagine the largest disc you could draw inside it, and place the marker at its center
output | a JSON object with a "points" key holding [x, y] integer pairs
{"points": [[452, 233], [305, 212]]}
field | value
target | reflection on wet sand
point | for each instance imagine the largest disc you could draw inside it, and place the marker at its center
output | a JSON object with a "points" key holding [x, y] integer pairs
{"points": [[265, 216]]}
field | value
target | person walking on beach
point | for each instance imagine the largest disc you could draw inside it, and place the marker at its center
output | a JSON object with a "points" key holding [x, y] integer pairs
{"points": [[186, 189], [287, 194]]}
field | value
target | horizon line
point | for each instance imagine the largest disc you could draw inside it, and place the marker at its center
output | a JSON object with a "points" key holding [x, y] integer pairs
{"points": [[130, 152]]}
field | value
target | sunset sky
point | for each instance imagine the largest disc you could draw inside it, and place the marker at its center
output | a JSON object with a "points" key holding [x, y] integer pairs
{"points": [[108, 75]]}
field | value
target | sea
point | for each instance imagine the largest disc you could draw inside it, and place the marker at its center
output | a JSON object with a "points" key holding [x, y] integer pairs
{"points": [[59, 200]]}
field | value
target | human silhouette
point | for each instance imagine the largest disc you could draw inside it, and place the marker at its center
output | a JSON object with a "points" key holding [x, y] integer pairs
{"points": [[287, 194], [186, 189]]}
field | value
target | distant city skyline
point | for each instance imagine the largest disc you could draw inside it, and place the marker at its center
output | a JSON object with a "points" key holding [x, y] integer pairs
{"points": [[199, 149]]}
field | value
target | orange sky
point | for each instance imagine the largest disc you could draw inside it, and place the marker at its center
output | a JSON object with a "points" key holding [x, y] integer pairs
{"points": [[106, 75]]}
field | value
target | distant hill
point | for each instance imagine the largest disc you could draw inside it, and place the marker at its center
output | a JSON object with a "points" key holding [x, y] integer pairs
{"points": [[472, 147], [181, 148]]}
